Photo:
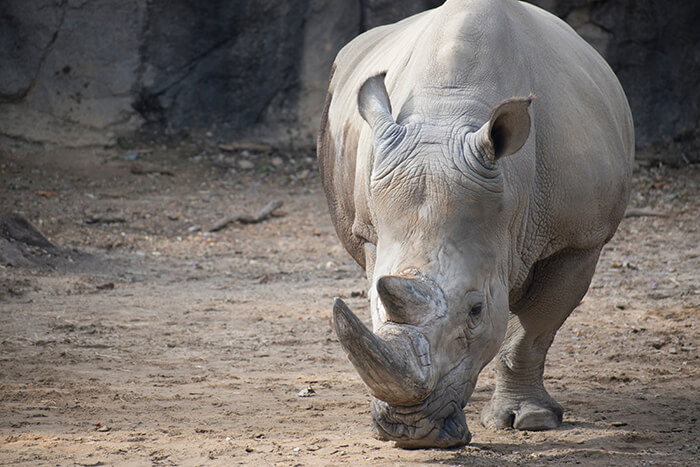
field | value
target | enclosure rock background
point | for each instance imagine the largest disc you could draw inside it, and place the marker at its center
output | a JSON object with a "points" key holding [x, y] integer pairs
{"points": [[81, 72]]}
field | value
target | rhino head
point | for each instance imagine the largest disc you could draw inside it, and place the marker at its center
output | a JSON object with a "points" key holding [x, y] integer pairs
{"points": [[438, 265]]}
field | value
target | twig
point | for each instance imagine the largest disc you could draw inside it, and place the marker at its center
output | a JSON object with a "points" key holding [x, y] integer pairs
{"points": [[641, 212], [104, 220], [263, 214], [245, 146], [144, 168]]}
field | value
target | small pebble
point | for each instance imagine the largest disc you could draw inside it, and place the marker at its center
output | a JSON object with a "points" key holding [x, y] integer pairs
{"points": [[307, 392]]}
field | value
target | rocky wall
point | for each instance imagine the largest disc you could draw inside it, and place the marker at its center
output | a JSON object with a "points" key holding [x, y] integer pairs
{"points": [[80, 72]]}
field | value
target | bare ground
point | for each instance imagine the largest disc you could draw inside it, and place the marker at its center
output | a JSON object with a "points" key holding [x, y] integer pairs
{"points": [[146, 340]]}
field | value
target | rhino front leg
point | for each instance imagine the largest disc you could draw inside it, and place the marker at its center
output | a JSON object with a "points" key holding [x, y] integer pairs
{"points": [[520, 399]]}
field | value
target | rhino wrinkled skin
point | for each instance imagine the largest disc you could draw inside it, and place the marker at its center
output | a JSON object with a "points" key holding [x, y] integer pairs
{"points": [[476, 158]]}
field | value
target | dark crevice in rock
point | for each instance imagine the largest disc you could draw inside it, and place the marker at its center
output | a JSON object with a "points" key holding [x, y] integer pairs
{"points": [[48, 49]]}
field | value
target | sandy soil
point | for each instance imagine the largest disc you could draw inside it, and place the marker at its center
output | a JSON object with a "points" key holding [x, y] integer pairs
{"points": [[145, 339]]}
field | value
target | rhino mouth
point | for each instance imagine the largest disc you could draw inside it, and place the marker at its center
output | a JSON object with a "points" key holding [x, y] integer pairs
{"points": [[437, 422]]}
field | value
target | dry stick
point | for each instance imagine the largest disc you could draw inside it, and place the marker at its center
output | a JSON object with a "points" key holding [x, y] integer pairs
{"points": [[144, 168], [263, 214], [245, 146], [641, 212]]}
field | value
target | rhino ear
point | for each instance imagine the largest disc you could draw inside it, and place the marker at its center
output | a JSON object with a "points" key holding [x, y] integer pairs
{"points": [[507, 129], [373, 102]]}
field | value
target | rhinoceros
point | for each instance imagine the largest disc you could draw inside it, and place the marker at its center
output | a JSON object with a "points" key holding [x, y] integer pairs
{"points": [[475, 158]]}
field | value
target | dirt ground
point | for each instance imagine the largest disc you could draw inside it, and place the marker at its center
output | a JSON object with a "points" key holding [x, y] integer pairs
{"points": [[145, 339]]}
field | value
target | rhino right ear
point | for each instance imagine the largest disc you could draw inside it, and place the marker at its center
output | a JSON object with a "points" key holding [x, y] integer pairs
{"points": [[374, 104], [507, 130]]}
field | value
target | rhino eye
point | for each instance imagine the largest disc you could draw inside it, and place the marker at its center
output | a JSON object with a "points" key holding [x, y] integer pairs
{"points": [[476, 310], [474, 318]]}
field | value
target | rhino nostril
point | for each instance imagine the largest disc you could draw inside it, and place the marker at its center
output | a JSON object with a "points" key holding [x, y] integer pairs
{"points": [[455, 427], [449, 428]]}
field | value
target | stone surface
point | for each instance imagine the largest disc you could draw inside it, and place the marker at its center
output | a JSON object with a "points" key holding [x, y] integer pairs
{"points": [[330, 25], [80, 72], [221, 64], [378, 12], [69, 69], [653, 47]]}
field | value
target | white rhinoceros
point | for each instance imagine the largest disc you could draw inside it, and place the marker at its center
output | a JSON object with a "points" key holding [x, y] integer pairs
{"points": [[476, 158]]}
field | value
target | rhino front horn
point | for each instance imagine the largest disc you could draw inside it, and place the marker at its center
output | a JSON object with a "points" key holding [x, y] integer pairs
{"points": [[388, 365]]}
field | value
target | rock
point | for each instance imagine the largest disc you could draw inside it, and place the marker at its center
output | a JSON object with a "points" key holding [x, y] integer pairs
{"points": [[245, 164], [23, 245], [237, 69], [63, 80], [308, 391], [378, 12], [17, 228]]}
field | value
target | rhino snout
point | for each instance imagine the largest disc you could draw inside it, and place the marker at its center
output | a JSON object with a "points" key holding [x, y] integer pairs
{"points": [[418, 394], [436, 422], [419, 426]]}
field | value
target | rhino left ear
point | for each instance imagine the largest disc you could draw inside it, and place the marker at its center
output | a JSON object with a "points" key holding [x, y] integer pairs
{"points": [[373, 101], [507, 129], [374, 106]]}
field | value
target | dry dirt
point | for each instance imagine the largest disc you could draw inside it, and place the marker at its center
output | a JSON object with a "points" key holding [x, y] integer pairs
{"points": [[146, 340]]}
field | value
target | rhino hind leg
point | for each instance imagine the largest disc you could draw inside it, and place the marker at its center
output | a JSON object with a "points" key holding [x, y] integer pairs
{"points": [[520, 399]]}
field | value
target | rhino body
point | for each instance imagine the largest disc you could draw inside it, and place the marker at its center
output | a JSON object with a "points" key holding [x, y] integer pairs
{"points": [[476, 158]]}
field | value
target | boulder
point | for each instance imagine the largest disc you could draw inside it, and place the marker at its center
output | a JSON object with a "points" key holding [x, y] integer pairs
{"points": [[79, 72], [69, 69]]}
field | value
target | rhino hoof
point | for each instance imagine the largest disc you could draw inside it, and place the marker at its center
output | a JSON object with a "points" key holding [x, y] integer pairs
{"points": [[523, 415], [537, 418]]}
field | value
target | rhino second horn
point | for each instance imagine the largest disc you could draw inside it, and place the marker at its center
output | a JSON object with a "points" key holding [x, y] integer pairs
{"points": [[390, 368], [406, 300]]}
